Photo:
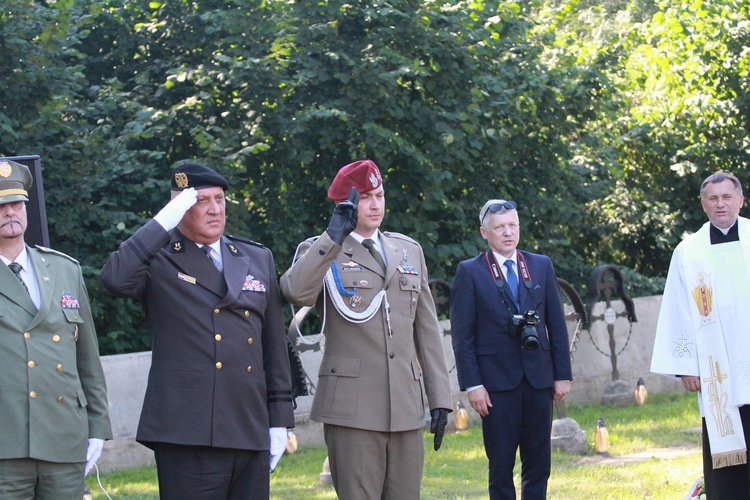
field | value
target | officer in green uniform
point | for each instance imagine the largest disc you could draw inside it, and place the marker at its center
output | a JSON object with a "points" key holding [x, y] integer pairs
{"points": [[53, 395]]}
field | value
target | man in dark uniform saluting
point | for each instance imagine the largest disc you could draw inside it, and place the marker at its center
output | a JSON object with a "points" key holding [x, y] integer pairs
{"points": [[53, 396], [218, 400]]}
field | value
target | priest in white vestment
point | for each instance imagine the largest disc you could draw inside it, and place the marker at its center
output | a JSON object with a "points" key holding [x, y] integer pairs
{"points": [[703, 333]]}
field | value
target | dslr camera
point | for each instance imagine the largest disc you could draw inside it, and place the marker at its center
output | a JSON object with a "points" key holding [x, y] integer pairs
{"points": [[525, 326]]}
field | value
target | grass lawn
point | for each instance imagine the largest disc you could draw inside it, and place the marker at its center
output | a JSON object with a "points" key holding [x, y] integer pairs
{"points": [[654, 454]]}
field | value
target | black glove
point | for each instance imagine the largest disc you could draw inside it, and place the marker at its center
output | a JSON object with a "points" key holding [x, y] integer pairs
{"points": [[438, 423], [344, 219]]}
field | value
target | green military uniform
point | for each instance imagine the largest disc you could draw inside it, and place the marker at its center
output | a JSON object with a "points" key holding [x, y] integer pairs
{"points": [[53, 395]]}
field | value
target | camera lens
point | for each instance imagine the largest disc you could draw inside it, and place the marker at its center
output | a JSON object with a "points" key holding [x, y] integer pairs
{"points": [[529, 338]]}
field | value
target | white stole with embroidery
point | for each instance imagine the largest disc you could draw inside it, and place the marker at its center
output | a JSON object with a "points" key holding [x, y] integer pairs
{"points": [[713, 284]]}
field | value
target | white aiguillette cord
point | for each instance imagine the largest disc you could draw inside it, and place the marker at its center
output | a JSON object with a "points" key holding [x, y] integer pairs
{"points": [[329, 285], [348, 314]]}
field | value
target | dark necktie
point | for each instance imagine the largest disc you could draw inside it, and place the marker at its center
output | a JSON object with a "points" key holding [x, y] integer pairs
{"points": [[207, 250], [16, 268], [370, 246], [510, 277]]}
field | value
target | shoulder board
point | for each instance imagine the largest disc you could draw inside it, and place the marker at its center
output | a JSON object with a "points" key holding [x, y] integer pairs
{"points": [[400, 237], [55, 252], [244, 240]]}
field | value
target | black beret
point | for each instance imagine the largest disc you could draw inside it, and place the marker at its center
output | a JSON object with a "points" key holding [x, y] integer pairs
{"points": [[194, 175]]}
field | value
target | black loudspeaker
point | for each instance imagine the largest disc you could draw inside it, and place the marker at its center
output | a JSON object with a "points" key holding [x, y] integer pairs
{"points": [[36, 231]]}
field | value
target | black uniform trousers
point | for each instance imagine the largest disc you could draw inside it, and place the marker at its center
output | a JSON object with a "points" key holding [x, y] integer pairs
{"points": [[208, 473]]}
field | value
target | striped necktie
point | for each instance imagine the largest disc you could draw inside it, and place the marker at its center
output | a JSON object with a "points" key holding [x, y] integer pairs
{"points": [[16, 268], [207, 250]]}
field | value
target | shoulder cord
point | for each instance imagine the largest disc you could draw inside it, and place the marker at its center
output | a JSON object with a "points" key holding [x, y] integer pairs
{"points": [[330, 282], [348, 314]]}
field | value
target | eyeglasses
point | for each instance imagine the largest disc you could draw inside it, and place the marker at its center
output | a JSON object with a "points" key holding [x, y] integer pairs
{"points": [[497, 207]]}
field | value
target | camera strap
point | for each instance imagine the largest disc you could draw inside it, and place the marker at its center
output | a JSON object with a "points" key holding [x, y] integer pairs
{"points": [[497, 275]]}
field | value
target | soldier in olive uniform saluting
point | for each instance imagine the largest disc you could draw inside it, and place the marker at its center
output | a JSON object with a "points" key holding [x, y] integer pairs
{"points": [[383, 342], [218, 401], [53, 395]]}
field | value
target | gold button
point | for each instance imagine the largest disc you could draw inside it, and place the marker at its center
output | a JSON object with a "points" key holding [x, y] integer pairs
{"points": [[247, 313], [249, 368], [60, 399], [216, 311], [31, 364], [27, 335], [217, 337], [56, 338], [218, 365], [250, 340], [59, 368], [32, 394]]}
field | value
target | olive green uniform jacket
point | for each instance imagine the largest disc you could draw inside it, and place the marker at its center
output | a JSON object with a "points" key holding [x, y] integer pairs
{"points": [[53, 395], [372, 377]]}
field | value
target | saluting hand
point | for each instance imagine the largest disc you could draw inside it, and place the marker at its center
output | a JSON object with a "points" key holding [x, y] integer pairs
{"points": [[170, 216], [344, 219]]}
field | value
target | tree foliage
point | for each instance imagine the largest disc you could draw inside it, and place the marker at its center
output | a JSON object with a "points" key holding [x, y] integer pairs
{"points": [[599, 119]]}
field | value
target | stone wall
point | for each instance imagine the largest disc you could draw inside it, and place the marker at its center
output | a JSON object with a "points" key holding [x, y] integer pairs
{"points": [[592, 371]]}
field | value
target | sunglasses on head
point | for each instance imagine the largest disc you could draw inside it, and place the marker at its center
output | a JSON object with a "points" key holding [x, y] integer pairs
{"points": [[497, 207]]}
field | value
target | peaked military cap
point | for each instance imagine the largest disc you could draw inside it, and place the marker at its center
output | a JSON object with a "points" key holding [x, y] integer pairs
{"points": [[15, 181]]}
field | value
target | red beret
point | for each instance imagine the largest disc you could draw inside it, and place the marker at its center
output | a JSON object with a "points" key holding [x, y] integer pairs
{"points": [[363, 175]]}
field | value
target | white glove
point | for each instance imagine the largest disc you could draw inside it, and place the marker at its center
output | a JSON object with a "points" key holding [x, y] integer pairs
{"points": [[278, 444], [93, 453], [171, 215]]}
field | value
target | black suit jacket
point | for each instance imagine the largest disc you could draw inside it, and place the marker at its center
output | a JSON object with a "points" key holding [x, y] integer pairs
{"points": [[487, 349], [220, 369]]}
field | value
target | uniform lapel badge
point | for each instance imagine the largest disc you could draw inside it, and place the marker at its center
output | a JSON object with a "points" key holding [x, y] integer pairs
{"points": [[351, 266], [187, 278], [46, 279], [233, 249], [68, 301], [355, 301], [253, 285], [177, 247], [406, 256]]}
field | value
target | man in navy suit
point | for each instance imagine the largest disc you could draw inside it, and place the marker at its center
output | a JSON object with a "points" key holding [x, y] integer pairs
{"points": [[512, 352]]}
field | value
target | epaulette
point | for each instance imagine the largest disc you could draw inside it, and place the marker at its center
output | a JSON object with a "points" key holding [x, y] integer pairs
{"points": [[400, 237], [244, 240], [49, 250]]}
